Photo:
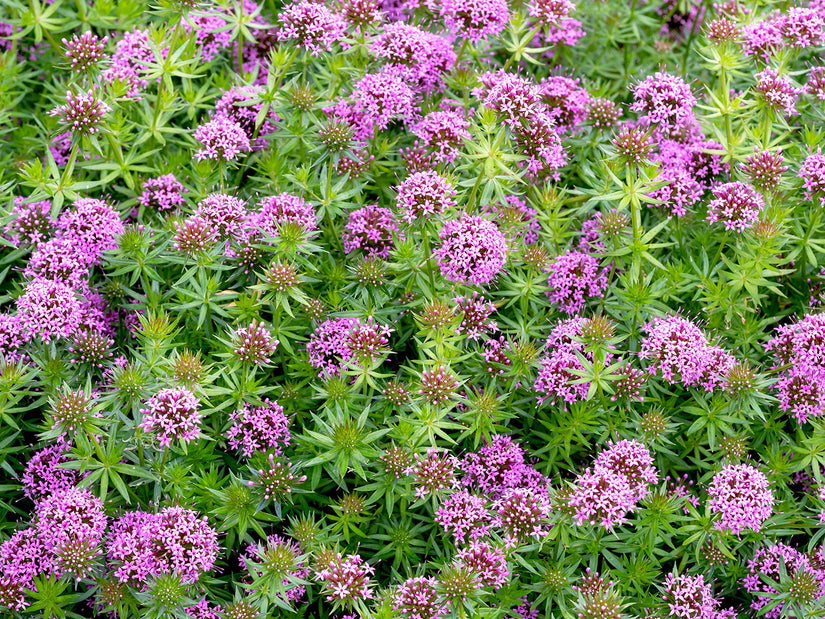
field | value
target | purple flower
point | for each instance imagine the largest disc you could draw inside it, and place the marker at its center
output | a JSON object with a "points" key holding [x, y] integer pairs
{"points": [[473, 250], [474, 19], [764, 169], [812, 172], [93, 225], [498, 467], [434, 472], [678, 350], [282, 209], [796, 573], [438, 385], [231, 106], [424, 193], [223, 139], [211, 33], [24, 556], [742, 497], [82, 113], [664, 99], [195, 234], [763, 38], [222, 213], [523, 513], [371, 229], [803, 27], [475, 312], [566, 100], [443, 133], [690, 597], [487, 561], [602, 113], [417, 598], [175, 540], [378, 99], [574, 277], [777, 91], [632, 460], [259, 428], [816, 82], [42, 475], [172, 414], [736, 205], [59, 260], [133, 53], [312, 26], [162, 193], [328, 345], [31, 223], [49, 309], [346, 579], [464, 515], [277, 481], [518, 221], [253, 344], [550, 12], [84, 51], [72, 523], [421, 58]]}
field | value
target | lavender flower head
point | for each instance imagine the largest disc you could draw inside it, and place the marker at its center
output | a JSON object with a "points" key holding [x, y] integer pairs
{"points": [[424, 193], [800, 577], [777, 92], [523, 513], [690, 597], [346, 579], [736, 205], [489, 562], [42, 475], [742, 497], [812, 172], [443, 133], [84, 51], [464, 515], [172, 414], [259, 428], [664, 99], [473, 250], [434, 472], [417, 598], [222, 139], [253, 344], [82, 113], [285, 208], [162, 193], [32, 222], [93, 225], [371, 229], [311, 25], [475, 313], [574, 277], [474, 19], [49, 309], [222, 213], [231, 105], [550, 12]]}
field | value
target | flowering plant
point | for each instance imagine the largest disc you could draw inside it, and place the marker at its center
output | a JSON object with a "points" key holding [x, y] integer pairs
{"points": [[430, 309]]}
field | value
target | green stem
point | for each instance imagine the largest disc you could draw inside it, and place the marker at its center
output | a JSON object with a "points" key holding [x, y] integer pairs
{"points": [[721, 248], [428, 255]]}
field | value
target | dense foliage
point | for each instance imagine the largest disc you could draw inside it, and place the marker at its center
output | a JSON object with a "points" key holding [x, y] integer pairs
{"points": [[412, 308]]}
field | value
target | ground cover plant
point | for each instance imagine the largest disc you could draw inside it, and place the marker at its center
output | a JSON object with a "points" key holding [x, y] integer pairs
{"points": [[412, 308]]}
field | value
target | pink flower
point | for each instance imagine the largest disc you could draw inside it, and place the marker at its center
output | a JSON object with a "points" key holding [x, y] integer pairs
{"points": [[172, 414], [259, 428], [473, 250], [742, 497]]}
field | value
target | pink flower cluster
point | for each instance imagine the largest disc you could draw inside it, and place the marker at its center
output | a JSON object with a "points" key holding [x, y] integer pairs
{"points": [[172, 414], [619, 478], [742, 497], [259, 428], [679, 351], [473, 250]]}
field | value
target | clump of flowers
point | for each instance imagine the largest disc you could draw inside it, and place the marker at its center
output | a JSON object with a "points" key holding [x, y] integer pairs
{"points": [[574, 277], [742, 497], [736, 205], [433, 472], [417, 598], [813, 175], [620, 477], [311, 25], [253, 344], [82, 113], [346, 579], [371, 229], [162, 193], [84, 51], [222, 139], [690, 597], [259, 428], [423, 194], [172, 414], [464, 515], [781, 570], [473, 250]]}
